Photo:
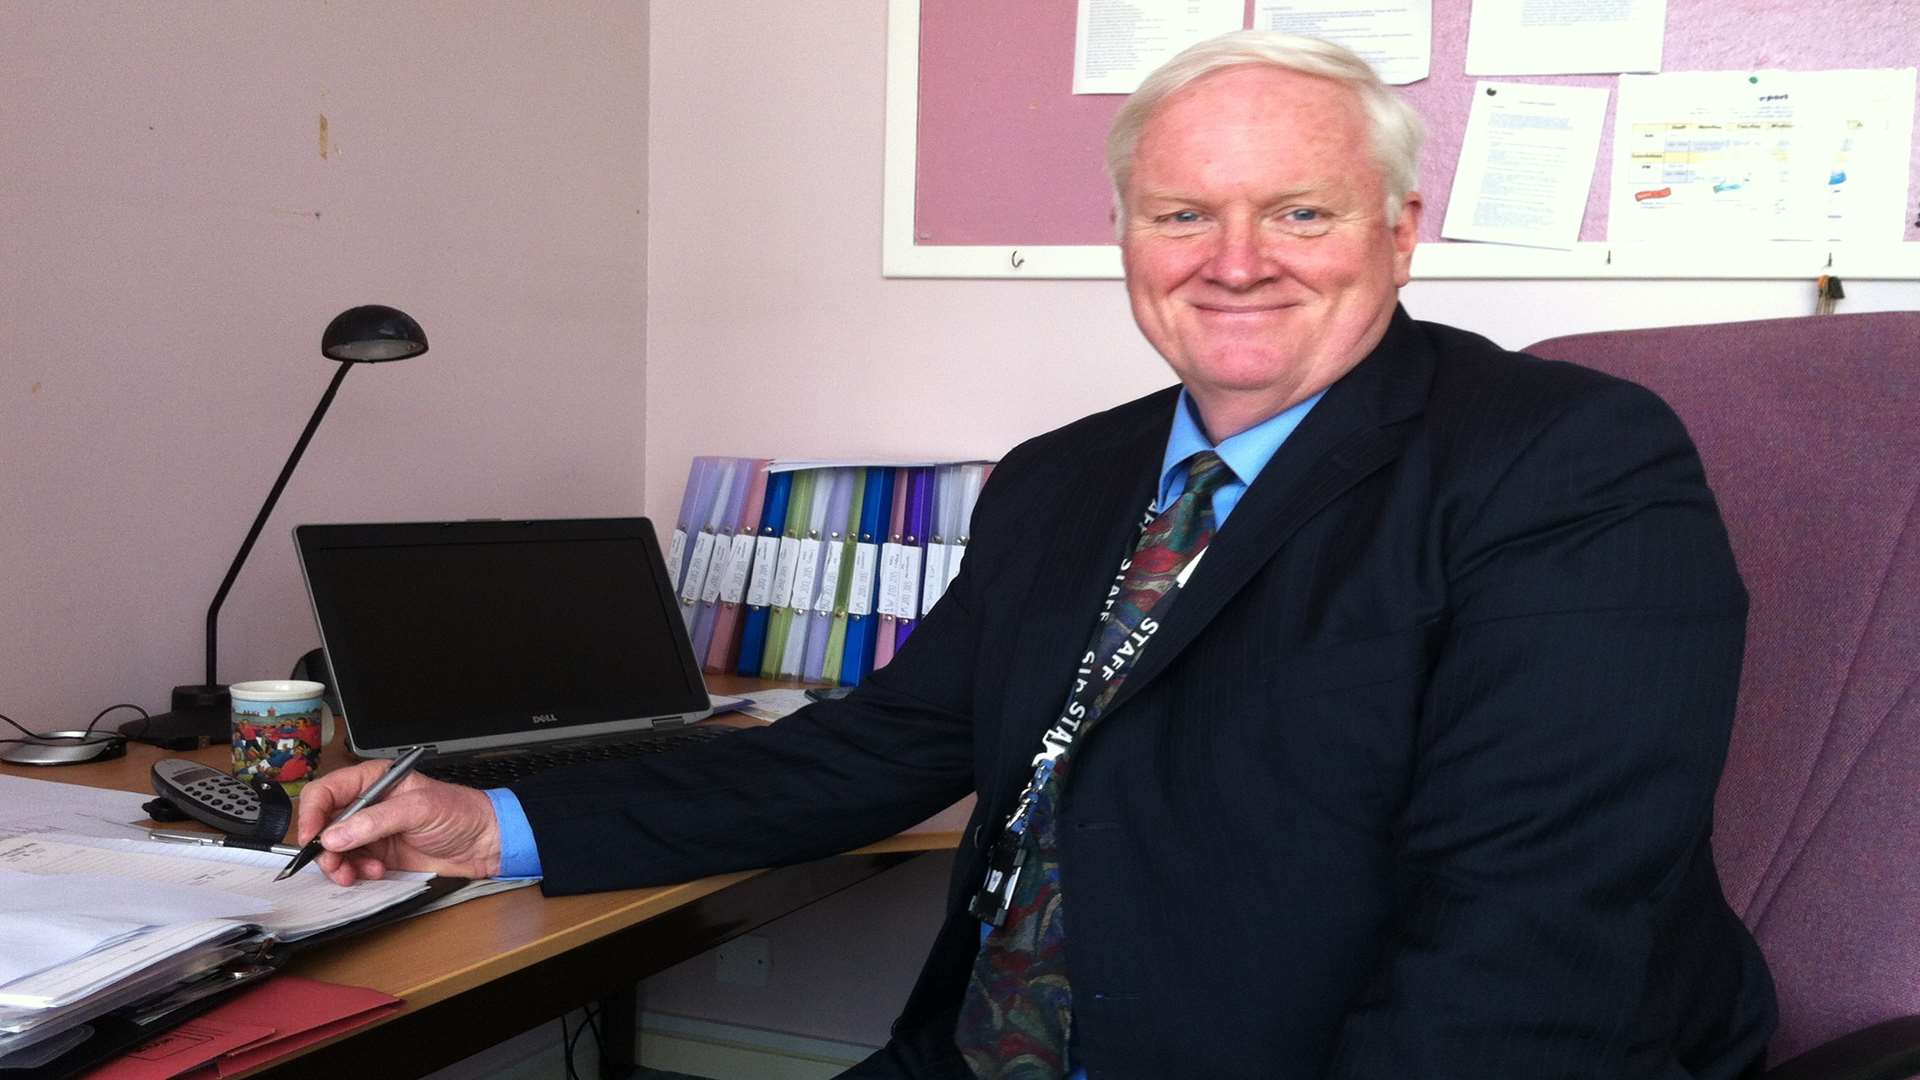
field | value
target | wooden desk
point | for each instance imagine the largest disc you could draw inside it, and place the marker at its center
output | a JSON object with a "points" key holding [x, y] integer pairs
{"points": [[486, 970]]}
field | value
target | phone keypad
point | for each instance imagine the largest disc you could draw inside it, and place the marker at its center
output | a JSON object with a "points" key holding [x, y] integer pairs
{"points": [[227, 794]]}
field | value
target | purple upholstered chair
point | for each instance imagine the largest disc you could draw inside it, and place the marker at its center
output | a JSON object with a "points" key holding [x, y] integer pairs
{"points": [[1810, 430]]}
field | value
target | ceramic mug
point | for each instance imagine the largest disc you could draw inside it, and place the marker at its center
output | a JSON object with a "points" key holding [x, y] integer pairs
{"points": [[279, 726]]}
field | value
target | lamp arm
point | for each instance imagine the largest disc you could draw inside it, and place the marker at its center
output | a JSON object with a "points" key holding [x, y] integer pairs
{"points": [[266, 509]]}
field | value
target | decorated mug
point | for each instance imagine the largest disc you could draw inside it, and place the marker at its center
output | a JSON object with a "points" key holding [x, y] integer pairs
{"points": [[279, 726]]}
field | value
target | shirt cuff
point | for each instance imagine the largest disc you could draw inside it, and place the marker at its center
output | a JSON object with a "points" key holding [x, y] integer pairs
{"points": [[519, 858]]}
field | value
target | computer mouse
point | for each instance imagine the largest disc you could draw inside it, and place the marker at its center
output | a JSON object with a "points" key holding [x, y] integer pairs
{"points": [[65, 748]]}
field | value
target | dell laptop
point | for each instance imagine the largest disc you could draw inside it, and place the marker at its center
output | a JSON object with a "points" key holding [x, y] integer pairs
{"points": [[506, 646]]}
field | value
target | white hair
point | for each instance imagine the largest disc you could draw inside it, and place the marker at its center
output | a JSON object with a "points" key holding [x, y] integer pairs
{"points": [[1393, 127]]}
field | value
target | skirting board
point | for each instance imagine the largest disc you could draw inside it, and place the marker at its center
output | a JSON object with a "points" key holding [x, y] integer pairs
{"points": [[729, 1051]]}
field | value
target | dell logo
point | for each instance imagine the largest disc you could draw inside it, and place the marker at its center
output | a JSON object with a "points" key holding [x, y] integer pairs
{"points": [[546, 718]]}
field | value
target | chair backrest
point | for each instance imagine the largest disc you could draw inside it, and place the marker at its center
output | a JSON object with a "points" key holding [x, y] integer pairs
{"points": [[1810, 431]]}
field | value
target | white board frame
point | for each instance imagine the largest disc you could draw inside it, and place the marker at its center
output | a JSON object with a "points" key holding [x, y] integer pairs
{"points": [[901, 257]]}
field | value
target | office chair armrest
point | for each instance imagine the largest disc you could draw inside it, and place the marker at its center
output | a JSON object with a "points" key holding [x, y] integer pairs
{"points": [[1889, 1050]]}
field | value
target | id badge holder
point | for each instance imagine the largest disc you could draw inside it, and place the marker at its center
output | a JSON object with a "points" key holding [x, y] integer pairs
{"points": [[995, 895]]}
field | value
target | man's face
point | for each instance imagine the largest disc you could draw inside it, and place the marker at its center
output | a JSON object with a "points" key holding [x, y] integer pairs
{"points": [[1257, 250]]}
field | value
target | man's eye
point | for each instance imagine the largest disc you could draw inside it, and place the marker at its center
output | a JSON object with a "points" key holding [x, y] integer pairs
{"points": [[1181, 217], [1304, 221]]}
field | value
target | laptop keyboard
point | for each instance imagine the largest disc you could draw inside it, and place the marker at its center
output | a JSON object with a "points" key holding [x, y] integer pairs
{"points": [[500, 770]]}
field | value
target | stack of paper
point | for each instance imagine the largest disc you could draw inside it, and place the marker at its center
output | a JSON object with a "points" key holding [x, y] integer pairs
{"points": [[89, 925]]}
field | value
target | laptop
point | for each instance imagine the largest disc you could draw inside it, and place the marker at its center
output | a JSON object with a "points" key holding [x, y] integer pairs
{"points": [[507, 646]]}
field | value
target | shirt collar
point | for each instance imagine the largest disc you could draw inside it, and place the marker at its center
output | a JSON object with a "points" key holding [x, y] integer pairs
{"points": [[1245, 454]]}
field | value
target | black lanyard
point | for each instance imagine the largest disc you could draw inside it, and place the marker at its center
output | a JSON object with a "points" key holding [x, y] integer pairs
{"points": [[1092, 679]]}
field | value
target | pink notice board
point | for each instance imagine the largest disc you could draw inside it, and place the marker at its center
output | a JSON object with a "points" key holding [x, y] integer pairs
{"points": [[1007, 155]]}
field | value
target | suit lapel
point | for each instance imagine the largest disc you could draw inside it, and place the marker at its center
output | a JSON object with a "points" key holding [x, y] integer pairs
{"points": [[1098, 521], [1348, 435]]}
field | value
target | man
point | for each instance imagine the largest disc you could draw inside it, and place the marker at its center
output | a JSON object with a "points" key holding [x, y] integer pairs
{"points": [[1410, 776]]}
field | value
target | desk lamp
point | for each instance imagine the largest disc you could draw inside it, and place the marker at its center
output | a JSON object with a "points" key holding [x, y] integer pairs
{"points": [[371, 334]]}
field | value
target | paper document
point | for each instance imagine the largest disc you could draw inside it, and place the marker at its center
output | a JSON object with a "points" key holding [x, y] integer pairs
{"points": [[103, 967], [1116, 43], [304, 904], [1739, 156], [106, 888], [39, 806], [47, 920], [1394, 36], [1526, 163], [771, 705], [1565, 37]]}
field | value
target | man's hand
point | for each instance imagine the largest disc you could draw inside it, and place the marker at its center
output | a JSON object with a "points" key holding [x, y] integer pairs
{"points": [[422, 824]]}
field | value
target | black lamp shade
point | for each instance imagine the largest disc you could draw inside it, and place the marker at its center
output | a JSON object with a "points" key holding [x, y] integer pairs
{"points": [[363, 335], [371, 334]]}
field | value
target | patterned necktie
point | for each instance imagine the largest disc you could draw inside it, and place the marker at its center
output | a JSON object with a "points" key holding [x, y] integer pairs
{"points": [[1015, 1019]]}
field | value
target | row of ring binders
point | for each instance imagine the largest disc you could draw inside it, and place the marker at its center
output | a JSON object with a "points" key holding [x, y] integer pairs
{"points": [[815, 570]]}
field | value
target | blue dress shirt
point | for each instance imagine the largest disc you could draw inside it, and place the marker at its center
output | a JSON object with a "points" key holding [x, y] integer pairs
{"points": [[1245, 454], [518, 856]]}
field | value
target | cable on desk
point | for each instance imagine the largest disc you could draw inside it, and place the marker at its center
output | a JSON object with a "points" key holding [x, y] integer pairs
{"points": [[86, 734]]}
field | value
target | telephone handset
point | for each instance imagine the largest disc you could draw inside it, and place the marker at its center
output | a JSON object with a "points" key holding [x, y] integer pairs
{"points": [[256, 811]]}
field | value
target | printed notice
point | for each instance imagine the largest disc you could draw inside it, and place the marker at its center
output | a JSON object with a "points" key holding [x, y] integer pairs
{"points": [[1394, 36], [1116, 43], [1526, 163], [1766, 155], [1565, 37]]}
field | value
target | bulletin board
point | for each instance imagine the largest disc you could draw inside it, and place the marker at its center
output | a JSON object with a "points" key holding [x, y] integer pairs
{"points": [[994, 168]]}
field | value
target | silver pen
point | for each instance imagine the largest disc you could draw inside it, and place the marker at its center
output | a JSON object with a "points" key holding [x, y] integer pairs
{"points": [[208, 839], [373, 794]]}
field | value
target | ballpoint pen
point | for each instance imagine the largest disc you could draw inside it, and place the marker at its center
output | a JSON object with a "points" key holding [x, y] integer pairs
{"points": [[372, 795], [208, 839]]}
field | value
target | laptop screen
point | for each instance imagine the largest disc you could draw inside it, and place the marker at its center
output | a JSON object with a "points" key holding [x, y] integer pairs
{"points": [[471, 635]]}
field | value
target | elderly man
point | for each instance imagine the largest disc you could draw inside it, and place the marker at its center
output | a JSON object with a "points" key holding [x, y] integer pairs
{"points": [[1353, 709]]}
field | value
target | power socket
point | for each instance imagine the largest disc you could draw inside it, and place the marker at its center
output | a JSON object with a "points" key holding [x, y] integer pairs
{"points": [[744, 961]]}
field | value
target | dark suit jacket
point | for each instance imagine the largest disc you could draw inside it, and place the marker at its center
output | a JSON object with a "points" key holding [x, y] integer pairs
{"points": [[1416, 781]]}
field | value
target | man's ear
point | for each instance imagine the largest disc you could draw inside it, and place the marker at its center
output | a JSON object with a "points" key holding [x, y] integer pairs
{"points": [[1406, 233]]}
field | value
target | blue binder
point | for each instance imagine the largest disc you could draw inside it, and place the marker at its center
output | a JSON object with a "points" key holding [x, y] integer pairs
{"points": [[862, 619], [773, 518]]}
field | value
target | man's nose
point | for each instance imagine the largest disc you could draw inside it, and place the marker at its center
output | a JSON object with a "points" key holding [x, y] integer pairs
{"points": [[1240, 258]]}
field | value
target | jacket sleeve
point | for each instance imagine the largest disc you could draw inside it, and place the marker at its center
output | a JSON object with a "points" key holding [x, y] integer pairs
{"points": [[1568, 750], [826, 779]]}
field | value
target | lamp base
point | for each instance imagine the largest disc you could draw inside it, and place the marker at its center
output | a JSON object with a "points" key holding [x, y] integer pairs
{"points": [[200, 717]]}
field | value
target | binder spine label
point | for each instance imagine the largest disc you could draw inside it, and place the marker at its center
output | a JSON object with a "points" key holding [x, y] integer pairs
{"points": [[806, 576], [955, 552], [766, 552], [676, 558], [933, 580], [893, 565], [830, 577], [734, 589], [865, 561], [696, 576], [717, 572], [784, 574], [910, 559]]}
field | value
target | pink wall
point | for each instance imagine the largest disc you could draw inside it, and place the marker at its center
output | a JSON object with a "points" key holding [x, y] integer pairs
{"points": [[769, 327], [173, 239]]}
